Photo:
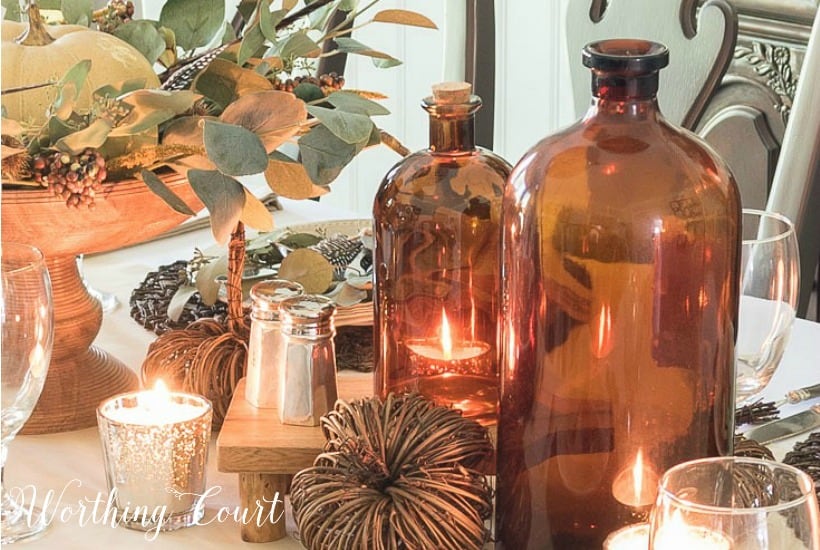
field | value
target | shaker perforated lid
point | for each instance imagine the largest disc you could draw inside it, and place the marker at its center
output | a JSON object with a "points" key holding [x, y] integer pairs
{"points": [[267, 297], [307, 315]]}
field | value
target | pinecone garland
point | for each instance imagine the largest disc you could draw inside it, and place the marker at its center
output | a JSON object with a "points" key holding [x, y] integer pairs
{"points": [[75, 178], [113, 15]]}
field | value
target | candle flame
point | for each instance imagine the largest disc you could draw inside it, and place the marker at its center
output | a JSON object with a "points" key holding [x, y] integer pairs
{"points": [[160, 389], [446, 339], [158, 398]]}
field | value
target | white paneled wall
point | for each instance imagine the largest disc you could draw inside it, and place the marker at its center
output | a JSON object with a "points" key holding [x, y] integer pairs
{"points": [[533, 96]]}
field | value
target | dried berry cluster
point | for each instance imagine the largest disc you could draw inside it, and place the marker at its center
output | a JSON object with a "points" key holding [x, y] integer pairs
{"points": [[75, 178], [114, 14], [328, 83]]}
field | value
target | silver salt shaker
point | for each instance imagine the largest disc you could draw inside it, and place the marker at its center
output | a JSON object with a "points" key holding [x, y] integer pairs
{"points": [[307, 382], [266, 346]]}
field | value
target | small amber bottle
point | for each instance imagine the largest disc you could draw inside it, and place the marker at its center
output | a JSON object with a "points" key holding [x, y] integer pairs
{"points": [[437, 252]]}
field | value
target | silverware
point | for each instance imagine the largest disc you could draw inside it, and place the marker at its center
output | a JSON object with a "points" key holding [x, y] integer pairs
{"points": [[786, 427], [796, 396]]}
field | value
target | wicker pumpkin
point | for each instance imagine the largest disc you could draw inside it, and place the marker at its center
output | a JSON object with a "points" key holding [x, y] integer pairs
{"points": [[36, 54], [399, 473]]}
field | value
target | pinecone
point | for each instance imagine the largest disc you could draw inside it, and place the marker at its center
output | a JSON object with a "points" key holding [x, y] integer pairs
{"points": [[339, 250], [114, 14], [75, 178], [328, 83]]}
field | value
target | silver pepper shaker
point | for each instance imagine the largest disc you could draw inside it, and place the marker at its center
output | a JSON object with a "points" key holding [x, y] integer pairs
{"points": [[266, 345], [307, 383]]}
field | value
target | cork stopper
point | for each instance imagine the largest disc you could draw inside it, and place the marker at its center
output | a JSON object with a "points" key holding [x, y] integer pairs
{"points": [[452, 93]]}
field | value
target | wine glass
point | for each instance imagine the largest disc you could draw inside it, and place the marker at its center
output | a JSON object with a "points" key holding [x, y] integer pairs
{"points": [[769, 285], [735, 503], [27, 318]]}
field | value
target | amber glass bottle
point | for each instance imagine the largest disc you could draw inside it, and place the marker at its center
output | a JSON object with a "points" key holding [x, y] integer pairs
{"points": [[620, 258], [437, 253]]}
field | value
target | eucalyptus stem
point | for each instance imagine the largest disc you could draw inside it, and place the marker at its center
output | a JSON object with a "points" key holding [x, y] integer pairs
{"points": [[29, 87]]}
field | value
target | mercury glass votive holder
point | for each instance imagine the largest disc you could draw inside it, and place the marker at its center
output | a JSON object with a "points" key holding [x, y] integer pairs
{"points": [[155, 453]]}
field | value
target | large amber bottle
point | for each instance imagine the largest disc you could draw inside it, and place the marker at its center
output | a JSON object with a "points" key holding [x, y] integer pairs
{"points": [[436, 258], [620, 258]]}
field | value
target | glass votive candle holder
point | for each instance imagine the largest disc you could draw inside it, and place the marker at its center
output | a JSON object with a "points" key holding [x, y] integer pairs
{"points": [[735, 503], [155, 449]]}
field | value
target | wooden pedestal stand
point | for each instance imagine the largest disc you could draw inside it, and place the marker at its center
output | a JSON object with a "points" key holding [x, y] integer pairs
{"points": [[81, 376], [266, 454]]}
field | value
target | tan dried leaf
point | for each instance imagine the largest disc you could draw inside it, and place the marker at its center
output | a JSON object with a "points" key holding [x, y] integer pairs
{"points": [[290, 180], [254, 214], [404, 17], [188, 131], [308, 268], [272, 115]]}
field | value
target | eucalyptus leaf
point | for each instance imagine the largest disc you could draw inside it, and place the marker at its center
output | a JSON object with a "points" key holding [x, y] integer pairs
{"points": [[349, 127], [57, 128], [68, 89], [93, 136], [223, 82], [324, 155], [12, 10], [228, 34], [318, 19], [299, 45], [194, 22], [206, 282], [404, 17], [235, 150], [252, 42], [158, 187], [179, 300], [143, 36], [246, 8], [123, 88], [308, 92], [152, 107], [350, 45], [354, 103], [77, 12], [348, 5], [268, 20], [223, 196], [272, 115], [254, 214], [289, 179]]}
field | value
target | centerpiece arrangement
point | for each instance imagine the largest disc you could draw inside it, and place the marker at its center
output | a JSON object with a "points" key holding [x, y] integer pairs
{"points": [[119, 121]]}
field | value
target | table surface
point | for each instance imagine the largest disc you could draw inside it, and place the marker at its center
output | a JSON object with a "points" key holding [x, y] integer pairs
{"points": [[66, 471]]}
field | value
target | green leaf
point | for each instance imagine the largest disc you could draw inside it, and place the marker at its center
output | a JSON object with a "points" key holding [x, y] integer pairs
{"points": [[404, 17], [349, 127], [380, 59], [318, 19], [194, 22], [179, 300], [92, 136], [58, 129], [126, 87], [68, 89], [268, 20], [12, 10], [324, 155], [299, 45], [228, 34], [348, 5], [354, 103], [159, 188], [246, 8], [224, 198], [77, 12], [252, 42], [308, 92], [235, 150], [144, 36]]}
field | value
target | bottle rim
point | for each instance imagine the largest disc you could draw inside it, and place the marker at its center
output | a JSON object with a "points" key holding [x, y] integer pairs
{"points": [[630, 55]]}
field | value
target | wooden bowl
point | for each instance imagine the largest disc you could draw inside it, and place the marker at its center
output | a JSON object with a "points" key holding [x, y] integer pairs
{"points": [[81, 376]]}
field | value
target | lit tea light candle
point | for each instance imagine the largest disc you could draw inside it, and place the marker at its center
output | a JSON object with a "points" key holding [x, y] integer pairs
{"points": [[637, 485], [631, 537], [155, 447], [442, 355], [676, 533]]}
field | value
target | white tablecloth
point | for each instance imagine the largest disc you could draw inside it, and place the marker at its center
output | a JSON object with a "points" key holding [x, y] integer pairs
{"points": [[70, 464]]}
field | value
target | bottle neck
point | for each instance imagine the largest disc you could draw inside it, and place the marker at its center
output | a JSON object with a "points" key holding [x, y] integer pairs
{"points": [[452, 135], [632, 95]]}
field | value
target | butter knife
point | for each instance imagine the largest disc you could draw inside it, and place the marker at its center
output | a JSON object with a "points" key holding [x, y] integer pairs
{"points": [[796, 396], [786, 427]]}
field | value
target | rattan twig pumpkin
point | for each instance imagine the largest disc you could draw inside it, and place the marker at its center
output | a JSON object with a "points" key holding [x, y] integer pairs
{"points": [[403, 473], [207, 357]]}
